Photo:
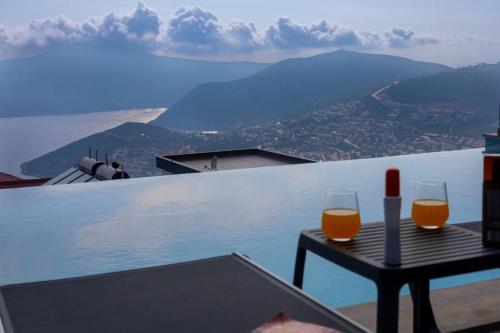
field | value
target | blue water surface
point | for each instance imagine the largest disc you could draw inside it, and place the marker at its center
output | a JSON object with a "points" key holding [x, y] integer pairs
{"points": [[70, 230], [40, 135]]}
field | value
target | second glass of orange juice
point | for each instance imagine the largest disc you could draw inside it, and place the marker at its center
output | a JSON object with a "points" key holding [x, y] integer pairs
{"points": [[341, 220], [430, 207]]}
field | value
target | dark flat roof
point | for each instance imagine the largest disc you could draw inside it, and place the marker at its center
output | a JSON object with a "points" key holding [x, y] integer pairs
{"points": [[226, 160]]}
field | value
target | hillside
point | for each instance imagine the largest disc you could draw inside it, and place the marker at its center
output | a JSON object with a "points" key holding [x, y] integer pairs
{"points": [[475, 88], [134, 144], [93, 78], [356, 129], [133, 136], [289, 87]]}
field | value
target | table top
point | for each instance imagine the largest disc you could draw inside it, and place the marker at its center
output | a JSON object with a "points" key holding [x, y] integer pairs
{"points": [[453, 249]]}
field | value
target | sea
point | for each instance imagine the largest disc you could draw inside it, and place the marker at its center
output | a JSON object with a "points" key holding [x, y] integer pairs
{"points": [[25, 138]]}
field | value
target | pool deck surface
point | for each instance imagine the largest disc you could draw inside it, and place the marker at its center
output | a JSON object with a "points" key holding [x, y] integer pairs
{"points": [[457, 309]]}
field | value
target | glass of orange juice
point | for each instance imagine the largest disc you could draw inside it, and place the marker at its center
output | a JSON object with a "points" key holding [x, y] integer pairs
{"points": [[430, 207], [341, 220]]}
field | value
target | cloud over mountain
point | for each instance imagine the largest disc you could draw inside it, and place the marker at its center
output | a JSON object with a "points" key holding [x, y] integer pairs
{"points": [[143, 25], [398, 38], [41, 34], [140, 27], [286, 34], [195, 31]]}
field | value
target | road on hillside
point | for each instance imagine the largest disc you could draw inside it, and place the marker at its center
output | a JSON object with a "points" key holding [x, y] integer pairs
{"points": [[377, 93]]}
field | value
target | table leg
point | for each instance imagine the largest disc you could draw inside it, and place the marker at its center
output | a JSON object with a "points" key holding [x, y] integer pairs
{"points": [[423, 317], [388, 307], [300, 260]]}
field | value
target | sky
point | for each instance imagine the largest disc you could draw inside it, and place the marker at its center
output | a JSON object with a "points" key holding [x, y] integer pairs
{"points": [[452, 32]]}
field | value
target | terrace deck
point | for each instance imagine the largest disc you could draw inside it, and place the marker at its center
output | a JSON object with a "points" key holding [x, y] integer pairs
{"points": [[467, 308]]}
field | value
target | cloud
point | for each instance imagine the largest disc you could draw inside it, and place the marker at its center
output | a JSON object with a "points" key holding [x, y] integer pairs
{"points": [[285, 34], [401, 38], [194, 26], [144, 22], [196, 32], [45, 32], [142, 27], [243, 37], [39, 35]]}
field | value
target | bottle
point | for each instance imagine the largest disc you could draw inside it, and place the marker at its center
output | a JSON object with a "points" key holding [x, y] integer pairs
{"points": [[392, 219], [491, 201]]}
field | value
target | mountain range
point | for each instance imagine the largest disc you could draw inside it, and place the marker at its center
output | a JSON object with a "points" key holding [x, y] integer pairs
{"points": [[441, 109], [289, 87], [94, 77]]}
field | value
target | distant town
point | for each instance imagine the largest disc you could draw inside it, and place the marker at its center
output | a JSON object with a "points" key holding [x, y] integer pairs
{"points": [[352, 130]]}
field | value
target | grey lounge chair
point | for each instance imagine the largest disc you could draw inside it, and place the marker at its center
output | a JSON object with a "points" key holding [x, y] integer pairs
{"points": [[221, 294]]}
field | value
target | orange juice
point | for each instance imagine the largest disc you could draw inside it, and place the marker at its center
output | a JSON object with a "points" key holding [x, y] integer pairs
{"points": [[430, 214], [340, 224]]}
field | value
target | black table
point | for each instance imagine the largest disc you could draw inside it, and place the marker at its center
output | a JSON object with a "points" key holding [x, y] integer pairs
{"points": [[426, 254], [221, 294]]}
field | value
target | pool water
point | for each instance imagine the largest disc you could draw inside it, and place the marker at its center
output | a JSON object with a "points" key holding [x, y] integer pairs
{"points": [[71, 230]]}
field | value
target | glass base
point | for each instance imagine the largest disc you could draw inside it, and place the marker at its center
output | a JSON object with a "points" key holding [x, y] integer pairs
{"points": [[431, 227], [340, 239]]}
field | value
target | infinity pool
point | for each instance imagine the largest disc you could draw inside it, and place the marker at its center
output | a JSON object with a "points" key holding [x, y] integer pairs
{"points": [[70, 230]]}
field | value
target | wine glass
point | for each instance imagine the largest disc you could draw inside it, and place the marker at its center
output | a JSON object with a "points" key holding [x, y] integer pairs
{"points": [[430, 206], [341, 220]]}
